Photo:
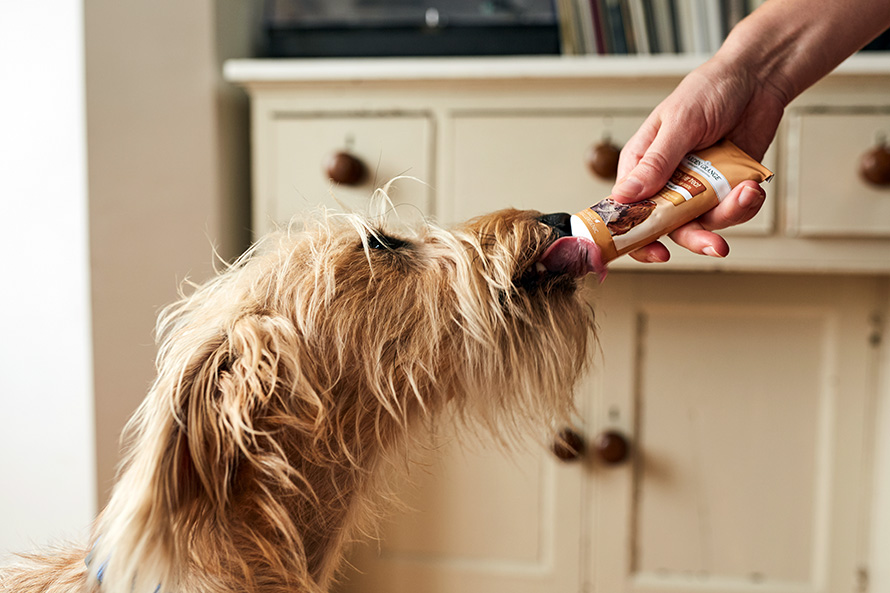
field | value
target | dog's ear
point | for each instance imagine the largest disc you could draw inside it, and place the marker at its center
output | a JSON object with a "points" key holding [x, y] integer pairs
{"points": [[200, 422], [223, 395]]}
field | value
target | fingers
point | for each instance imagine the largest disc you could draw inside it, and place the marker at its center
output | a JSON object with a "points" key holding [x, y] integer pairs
{"points": [[648, 165], [653, 253], [696, 114], [741, 205], [634, 149], [697, 239], [691, 236]]}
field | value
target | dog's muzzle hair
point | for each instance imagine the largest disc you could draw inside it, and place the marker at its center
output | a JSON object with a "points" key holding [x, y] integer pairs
{"points": [[290, 382]]}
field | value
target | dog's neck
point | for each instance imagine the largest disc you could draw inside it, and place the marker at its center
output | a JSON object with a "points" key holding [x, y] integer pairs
{"points": [[289, 511], [322, 515], [293, 539]]}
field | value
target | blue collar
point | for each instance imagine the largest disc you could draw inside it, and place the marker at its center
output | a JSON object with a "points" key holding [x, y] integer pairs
{"points": [[100, 572]]}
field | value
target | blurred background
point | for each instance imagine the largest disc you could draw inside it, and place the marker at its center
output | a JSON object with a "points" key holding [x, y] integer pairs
{"points": [[125, 169], [123, 166]]}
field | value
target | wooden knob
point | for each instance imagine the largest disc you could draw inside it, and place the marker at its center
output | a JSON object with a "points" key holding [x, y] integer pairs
{"points": [[602, 159], [344, 168], [874, 165], [568, 445], [611, 447]]}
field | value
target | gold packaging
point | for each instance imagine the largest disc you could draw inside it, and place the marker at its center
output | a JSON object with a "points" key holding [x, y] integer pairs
{"points": [[701, 181]]}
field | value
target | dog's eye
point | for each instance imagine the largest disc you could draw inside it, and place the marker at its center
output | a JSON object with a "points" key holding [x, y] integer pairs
{"points": [[381, 241]]}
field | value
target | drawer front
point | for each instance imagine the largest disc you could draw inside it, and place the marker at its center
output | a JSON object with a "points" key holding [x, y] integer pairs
{"points": [[388, 146], [530, 161], [538, 162], [827, 196]]}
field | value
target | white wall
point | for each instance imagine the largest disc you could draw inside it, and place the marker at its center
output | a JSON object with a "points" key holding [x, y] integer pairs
{"points": [[137, 87], [47, 458], [167, 179]]}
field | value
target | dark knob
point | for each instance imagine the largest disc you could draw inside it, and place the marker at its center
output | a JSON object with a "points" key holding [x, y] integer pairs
{"points": [[611, 447], [568, 445], [874, 166], [602, 159], [344, 168]]}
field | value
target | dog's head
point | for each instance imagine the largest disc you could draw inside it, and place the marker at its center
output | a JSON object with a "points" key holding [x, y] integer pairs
{"points": [[488, 314], [308, 359]]}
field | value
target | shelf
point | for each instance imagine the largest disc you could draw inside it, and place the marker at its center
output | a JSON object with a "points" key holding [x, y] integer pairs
{"points": [[493, 68]]}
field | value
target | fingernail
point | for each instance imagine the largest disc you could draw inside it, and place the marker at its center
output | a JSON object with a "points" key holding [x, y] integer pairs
{"points": [[749, 197], [629, 187], [711, 251]]}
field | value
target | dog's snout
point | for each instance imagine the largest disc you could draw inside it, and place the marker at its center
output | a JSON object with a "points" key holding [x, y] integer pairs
{"points": [[558, 221]]}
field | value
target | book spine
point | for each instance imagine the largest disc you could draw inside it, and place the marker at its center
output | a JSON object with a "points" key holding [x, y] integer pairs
{"points": [[619, 27]]}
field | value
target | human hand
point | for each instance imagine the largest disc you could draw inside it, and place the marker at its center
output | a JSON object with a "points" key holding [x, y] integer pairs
{"points": [[742, 203], [720, 99]]}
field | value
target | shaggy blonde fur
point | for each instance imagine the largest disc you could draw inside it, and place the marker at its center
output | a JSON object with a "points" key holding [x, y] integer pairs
{"points": [[289, 384]]}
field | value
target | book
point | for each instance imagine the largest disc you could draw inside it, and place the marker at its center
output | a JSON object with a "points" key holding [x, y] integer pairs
{"points": [[714, 24], [585, 27], [685, 23], [615, 25], [639, 26], [599, 31], [565, 13], [619, 27], [663, 26]]}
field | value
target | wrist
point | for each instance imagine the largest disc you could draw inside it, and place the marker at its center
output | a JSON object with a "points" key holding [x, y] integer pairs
{"points": [[787, 45], [766, 55]]}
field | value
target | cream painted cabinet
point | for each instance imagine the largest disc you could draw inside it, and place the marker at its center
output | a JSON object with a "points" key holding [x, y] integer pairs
{"points": [[752, 391], [478, 520], [749, 402], [298, 147], [537, 161], [533, 161], [828, 197], [747, 405]]}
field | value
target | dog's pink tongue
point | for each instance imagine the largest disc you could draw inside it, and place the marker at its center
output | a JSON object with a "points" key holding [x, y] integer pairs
{"points": [[577, 256]]}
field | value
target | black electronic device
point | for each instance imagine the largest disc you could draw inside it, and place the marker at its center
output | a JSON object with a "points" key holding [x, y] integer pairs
{"points": [[355, 28]]}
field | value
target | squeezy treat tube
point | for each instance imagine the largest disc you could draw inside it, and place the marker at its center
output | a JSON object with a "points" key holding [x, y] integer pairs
{"points": [[699, 183]]}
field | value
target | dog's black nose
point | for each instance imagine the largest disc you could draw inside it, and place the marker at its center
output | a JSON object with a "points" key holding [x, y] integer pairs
{"points": [[559, 221]]}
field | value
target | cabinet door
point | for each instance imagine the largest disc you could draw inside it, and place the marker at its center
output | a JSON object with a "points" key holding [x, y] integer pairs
{"points": [[478, 520], [746, 403]]}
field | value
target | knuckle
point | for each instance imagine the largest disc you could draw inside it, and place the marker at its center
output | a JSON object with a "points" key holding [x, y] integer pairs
{"points": [[655, 161]]}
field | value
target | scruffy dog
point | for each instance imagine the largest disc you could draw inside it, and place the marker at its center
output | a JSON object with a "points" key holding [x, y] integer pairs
{"points": [[291, 382]]}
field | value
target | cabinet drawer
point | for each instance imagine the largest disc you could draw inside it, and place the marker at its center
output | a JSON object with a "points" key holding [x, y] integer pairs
{"points": [[537, 161], [530, 161], [388, 146], [827, 196]]}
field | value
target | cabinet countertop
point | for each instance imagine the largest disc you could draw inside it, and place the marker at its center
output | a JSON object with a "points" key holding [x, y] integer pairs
{"points": [[247, 71]]}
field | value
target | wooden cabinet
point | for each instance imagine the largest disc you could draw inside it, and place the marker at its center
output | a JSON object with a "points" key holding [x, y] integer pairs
{"points": [[748, 388]]}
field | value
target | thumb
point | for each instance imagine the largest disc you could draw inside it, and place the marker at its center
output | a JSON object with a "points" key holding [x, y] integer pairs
{"points": [[652, 171]]}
